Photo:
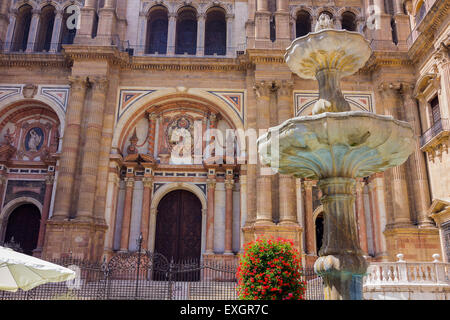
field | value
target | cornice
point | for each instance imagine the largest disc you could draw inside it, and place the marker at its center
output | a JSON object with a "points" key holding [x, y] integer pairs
{"points": [[427, 28], [34, 60], [385, 59]]}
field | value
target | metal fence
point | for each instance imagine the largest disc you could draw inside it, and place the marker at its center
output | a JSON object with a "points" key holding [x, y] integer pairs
{"points": [[147, 276]]}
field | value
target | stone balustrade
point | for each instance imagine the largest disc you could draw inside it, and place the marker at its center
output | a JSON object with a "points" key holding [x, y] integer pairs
{"points": [[407, 280]]}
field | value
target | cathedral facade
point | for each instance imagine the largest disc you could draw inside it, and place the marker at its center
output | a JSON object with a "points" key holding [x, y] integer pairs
{"points": [[137, 119]]}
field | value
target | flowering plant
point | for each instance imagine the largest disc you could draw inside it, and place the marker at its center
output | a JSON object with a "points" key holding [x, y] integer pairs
{"points": [[270, 269]]}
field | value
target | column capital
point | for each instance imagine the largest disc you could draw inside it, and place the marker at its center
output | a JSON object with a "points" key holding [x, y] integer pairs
{"points": [[147, 181], [359, 186], [389, 88], [201, 16], [36, 11], [99, 83], [229, 184], [211, 183], [262, 88], [229, 16], [308, 184], [77, 82], [129, 182], [50, 179], [284, 87]]}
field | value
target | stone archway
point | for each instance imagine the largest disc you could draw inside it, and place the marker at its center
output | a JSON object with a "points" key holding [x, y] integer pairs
{"points": [[179, 226], [23, 225], [160, 194]]}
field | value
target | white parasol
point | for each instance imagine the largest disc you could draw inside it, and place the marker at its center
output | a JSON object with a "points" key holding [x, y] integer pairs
{"points": [[19, 270]]}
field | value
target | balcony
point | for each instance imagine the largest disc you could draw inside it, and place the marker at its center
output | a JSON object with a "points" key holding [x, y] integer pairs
{"points": [[403, 280], [435, 140]]}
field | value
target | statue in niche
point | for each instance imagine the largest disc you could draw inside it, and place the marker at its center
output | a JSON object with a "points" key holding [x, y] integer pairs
{"points": [[34, 139], [324, 22]]}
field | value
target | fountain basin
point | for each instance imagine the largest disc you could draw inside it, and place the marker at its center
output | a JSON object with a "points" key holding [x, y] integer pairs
{"points": [[343, 144], [341, 50]]}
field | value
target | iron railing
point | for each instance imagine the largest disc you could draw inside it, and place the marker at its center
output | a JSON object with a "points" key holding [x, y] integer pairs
{"points": [[441, 125], [147, 276]]}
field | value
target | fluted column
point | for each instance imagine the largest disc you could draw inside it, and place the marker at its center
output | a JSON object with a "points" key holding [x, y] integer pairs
{"points": [[56, 35], [417, 160], [126, 220], [200, 34], [243, 204], [229, 214], [211, 185], [286, 182], [33, 30], [361, 216], [49, 180], [397, 175], [70, 149], [171, 33], [309, 223], [263, 180], [442, 58], [145, 217], [91, 150]]}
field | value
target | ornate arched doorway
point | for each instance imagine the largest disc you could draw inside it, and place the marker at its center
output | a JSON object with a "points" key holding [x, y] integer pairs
{"points": [[179, 226], [23, 225]]}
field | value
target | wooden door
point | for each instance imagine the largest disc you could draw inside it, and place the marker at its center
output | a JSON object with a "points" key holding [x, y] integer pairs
{"points": [[23, 225], [178, 226]]}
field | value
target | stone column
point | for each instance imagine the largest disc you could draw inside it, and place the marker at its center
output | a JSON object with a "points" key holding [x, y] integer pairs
{"points": [[229, 182], [91, 150], [361, 216], [151, 133], [397, 175], [286, 182], [262, 20], [309, 223], [416, 161], [33, 30], [282, 17], [263, 180], [87, 14], [211, 185], [171, 34], [45, 212], [56, 35], [201, 17], [70, 148], [231, 50], [4, 20], [243, 204], [126, 220], [10, 33], [146, 203], [142, 35]]}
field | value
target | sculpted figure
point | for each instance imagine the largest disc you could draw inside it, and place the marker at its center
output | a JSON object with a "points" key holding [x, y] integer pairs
{"points": [[324, 22]]}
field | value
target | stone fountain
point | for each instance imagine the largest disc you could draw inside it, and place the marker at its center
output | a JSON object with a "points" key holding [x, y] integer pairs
{"points": [[335, 146]]}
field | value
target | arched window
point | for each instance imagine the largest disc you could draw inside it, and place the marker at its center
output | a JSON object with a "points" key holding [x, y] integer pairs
{"points": [[215, 32], [157, 25], [302, 24], [349, 21], [22, 28], [46, 22], [67, 35], [186, 37]]}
